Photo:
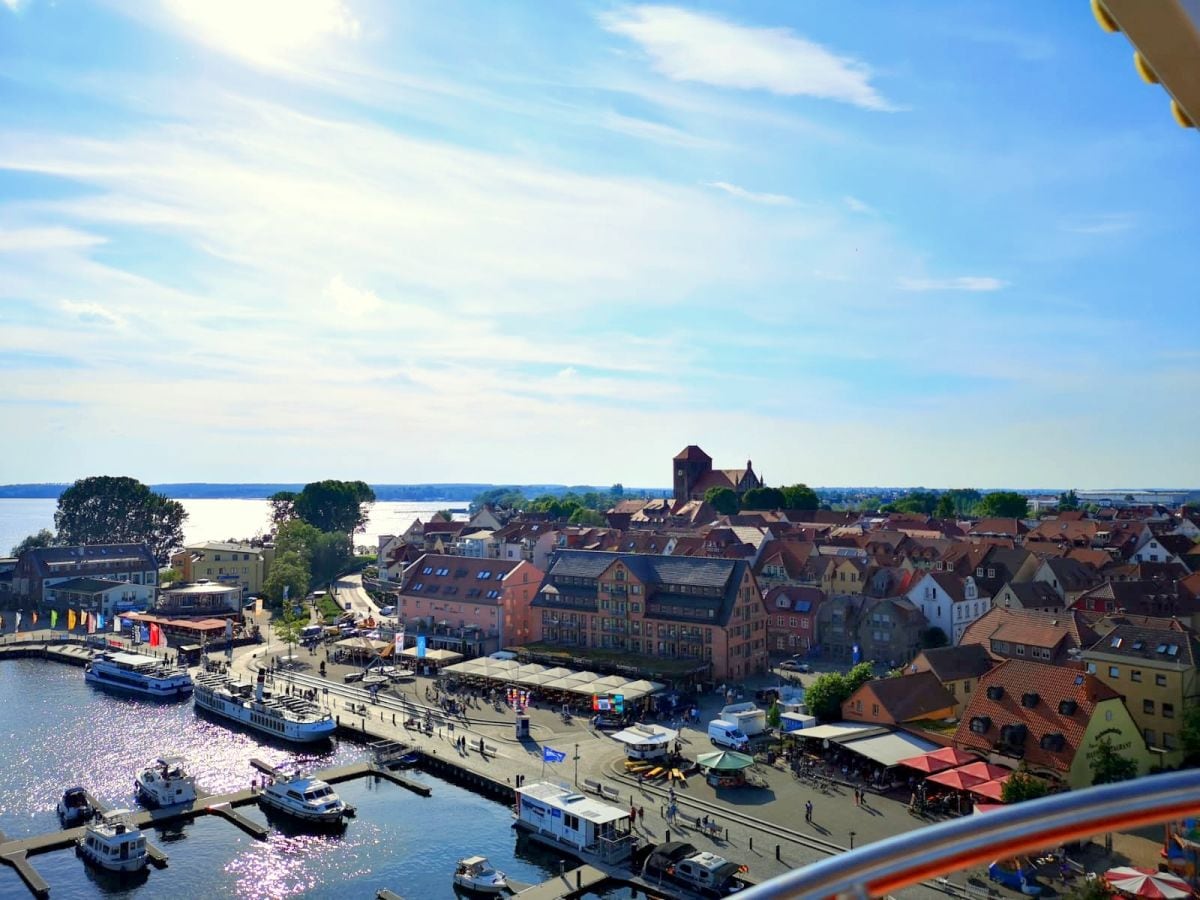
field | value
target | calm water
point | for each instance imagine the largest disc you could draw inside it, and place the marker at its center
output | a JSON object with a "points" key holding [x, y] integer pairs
{"points": [[55, 731], [218, 520]]}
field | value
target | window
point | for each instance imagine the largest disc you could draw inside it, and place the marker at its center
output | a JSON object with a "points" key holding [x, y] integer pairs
{"points": [[1114, 672], [1019, 649], [1149, 735], [1168, 710], [1135, 674], [966, 687], [1168, 741], [1160, 680], [1148, 707]]}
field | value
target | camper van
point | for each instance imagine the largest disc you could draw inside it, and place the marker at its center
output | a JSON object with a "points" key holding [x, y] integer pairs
{"points": [[726, 734]]}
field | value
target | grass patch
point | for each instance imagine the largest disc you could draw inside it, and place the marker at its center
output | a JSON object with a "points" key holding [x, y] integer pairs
{"points": [[328, 609], [590, 656]]}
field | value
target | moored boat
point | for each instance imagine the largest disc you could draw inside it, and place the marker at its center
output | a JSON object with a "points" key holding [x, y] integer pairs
{"points": [[475, 873], [165, 783], [134, 673], [290, 718], [114, 843], [74, 808], [306, 798], [699, 871], [574, 823]]}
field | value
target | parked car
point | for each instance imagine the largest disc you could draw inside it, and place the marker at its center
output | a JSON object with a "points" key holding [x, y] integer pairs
{"points": [[387, 610], [794, 665]]}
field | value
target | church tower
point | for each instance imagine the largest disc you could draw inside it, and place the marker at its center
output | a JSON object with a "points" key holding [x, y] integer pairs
{"points": [[689, 466]]}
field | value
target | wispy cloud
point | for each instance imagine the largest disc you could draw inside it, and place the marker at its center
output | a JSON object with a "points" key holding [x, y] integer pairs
{"points": [[969, 283], [33, 240], [690, 46], [753, 196], [1106, 223], [351, 301], [90, 313], [855, 205], [13, 5]]}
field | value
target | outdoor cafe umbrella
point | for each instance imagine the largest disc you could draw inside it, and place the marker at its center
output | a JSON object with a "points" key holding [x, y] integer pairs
{"points": [[955, 778], [992, 790], [724, 761], [1142, 882], [937, 760], [985, 770]]}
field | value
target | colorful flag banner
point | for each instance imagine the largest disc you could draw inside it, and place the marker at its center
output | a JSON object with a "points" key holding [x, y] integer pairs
{"points": [[71, 617], [550, 755], [398, 645], [91, 623], [420, 646], [117, 624], [145, 634], [54, 618], [100, 622], [17, 627], [33, 617]]}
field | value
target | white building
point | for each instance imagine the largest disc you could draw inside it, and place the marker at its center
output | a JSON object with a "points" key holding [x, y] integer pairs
{"points": [[98, 595], [949, 602]]}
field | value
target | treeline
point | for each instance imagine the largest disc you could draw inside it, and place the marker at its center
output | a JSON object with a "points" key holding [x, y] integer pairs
{"points": [[414, 493]]}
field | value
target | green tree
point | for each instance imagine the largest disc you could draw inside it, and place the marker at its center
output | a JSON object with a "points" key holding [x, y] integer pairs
{"points": [[289, 572], [920, 503], [617, 491], [963, 499], [1022, 786], [283, 507], [763, 498], [105, 509], [332, 552], [1108, 765], [825, 696], [297, 536], [1003, 505], [800, 496], [945, 507], [288, 626], [933, 637], [1189, 733], [858, 676], [168, 576], [585, 516], [500, 498], [333, 505], [43, 538], [774, 715], [723, 500], [1068, 501]]}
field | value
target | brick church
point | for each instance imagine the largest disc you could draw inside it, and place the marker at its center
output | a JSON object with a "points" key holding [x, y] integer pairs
{"points": [[694, 474]]}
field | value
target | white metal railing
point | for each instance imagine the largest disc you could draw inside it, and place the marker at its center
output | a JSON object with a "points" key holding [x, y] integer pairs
{"points": [[877, 869]]}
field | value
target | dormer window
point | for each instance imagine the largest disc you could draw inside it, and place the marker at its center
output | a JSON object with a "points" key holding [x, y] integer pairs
{"points": [[1067, 708], [1029, 700], [995, 692], [980, 724]]}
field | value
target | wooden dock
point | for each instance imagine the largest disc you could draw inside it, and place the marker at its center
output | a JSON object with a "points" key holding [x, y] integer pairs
{"points": [[569, 884]]}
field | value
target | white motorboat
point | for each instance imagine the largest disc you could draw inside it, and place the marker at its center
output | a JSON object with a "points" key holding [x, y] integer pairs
{"points": [[305, 798], [475, 873], [138, 674], [74, 808], [290, 718], [573, 823], [165, 783], [114, 843]]}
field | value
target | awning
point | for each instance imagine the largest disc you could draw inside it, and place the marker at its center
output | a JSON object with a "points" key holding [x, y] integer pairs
{"points": [[839, 732], [985, 770], [938, 760], [887, 749], [955, 779], [992, 790]]}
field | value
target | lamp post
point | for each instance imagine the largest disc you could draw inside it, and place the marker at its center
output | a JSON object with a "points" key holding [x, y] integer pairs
{"points": [[576, 758]]}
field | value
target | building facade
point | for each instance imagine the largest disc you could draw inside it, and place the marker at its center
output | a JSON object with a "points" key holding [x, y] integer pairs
{"points": [[692, 474], [45, 567], [98, 595], [239, 564]]}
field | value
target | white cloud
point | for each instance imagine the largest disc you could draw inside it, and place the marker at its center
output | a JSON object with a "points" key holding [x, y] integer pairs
{"points": [[752, 196], [855, 205], [1106, 223], [33, 240], [970, 283], [351, 301], [91, 313], [13, 5], [264, 32], [690, 46]]}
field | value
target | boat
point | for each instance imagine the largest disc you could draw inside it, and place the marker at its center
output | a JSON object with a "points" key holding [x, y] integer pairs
{"points": [[307, 798], [74, 808], [475, 873], [573, 823], [680, 864], [138, 674], [113, 842], [290, 718], [165, 783]]}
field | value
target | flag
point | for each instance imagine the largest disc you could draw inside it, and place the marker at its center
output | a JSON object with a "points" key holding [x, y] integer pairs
{"points": [[91, 623], [155, 635], [420, 646], [549, 754], [70, 620], [33, 617], [398, 642], [17, 627], [100, 622], [117, 624], [145, 634], [287, 589], [54, 618]]}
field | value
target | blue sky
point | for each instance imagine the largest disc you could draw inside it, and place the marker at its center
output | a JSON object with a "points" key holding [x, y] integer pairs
{"points": [[924, 243]]}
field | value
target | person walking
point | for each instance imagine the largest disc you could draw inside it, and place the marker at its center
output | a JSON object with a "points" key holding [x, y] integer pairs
{"points": [[808, 810]]}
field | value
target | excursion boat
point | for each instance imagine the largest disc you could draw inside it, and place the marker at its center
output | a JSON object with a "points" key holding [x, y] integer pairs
{"points": [[74, 808], [306, 798], [165, 783], [114, 843], [680, 864], [138, 674], [475, 873], [290, 718], [574, 823]]}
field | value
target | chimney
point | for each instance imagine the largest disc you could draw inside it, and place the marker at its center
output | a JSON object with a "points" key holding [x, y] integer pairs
{"points": [[258, 687]]}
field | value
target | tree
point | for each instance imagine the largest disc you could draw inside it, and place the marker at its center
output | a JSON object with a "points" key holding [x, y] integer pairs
{"points": [[1022, 786], [763, 498], [800, 496], [1068, 501], [168, 576], [288, 628], [774, 715], [723, 500], [288, 574], [921, 503], [1108, 765], [584, 516], [333, 505], [43, 538], [825, 696], [331, 552], [283, 507], [104, 509], [617, 491], [963, 499], [858, 676], [1003, 505], [298, 537], [933, 637], [945, 507]]}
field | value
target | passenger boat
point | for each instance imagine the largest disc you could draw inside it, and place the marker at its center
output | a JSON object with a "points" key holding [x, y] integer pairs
{"points": [[573, 823], [165, 783], [290, 718], [114, 843], [138, 674], [475, 873], [74, 808], [701, 872], [306, 798]]}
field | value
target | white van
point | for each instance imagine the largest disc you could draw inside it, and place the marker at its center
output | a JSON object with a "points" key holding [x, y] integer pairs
{"points": [[311, 632], [726, 734]]}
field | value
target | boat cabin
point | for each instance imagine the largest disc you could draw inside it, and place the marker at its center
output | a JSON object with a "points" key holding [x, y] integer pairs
{"points": [[581, 825], [646, 741]]}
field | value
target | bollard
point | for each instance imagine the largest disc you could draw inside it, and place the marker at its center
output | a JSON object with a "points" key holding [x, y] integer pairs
{"points": [[751, 842], [668, 835], [393, 719], [777, 852], [579, 877], [727, 835]]}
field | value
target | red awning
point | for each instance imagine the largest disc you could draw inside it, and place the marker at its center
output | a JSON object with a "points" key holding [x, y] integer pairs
{"points": [[955, 778], [937, 760], [985, 770], [992, 790]]}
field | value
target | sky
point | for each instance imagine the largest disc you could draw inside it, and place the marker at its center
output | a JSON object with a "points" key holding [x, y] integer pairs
{"points": [[860, 243]]}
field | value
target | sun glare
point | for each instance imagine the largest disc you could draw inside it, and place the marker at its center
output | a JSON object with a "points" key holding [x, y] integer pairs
{"points": [[265, 32]]}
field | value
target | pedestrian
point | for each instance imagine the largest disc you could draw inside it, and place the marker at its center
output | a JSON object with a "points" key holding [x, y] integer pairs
{"points": [[857, 797], [808, 809], [633, 815], [642, 815]]}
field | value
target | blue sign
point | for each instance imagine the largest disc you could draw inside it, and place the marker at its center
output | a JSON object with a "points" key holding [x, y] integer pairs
{"points": [[420, 646], [549, 754], [856, 654]]}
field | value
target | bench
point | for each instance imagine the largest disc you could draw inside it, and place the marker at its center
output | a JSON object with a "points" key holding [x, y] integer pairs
{"points": [[609, 793], [592, 786], [981, 893]]}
